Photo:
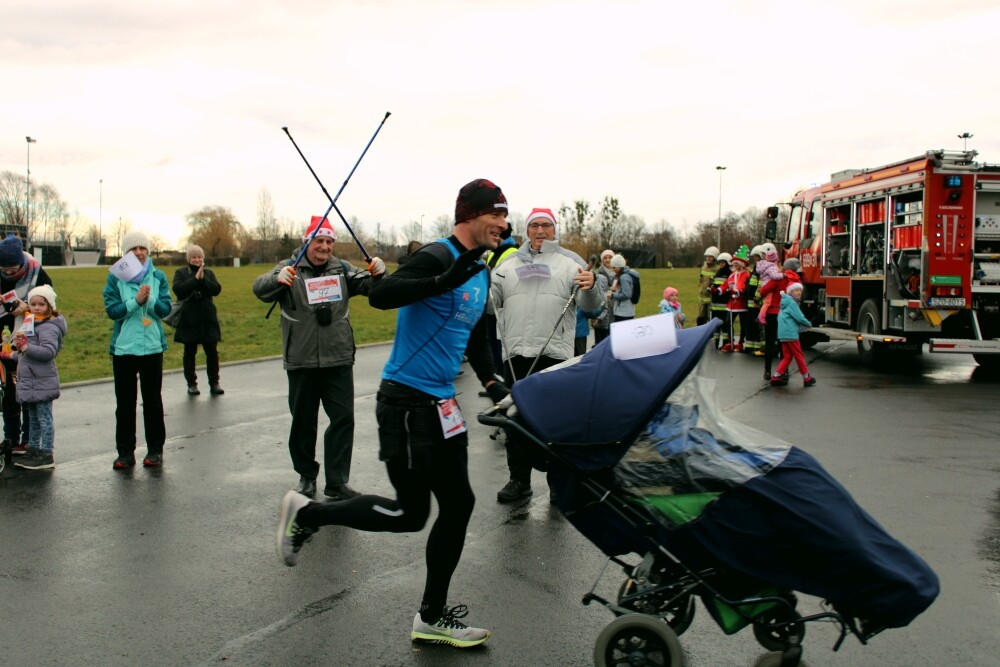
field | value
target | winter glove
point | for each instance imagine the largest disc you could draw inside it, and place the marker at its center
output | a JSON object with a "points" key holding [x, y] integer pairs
{"points": [[466, 265], [376, 267], [497, 391], [286, 276]]}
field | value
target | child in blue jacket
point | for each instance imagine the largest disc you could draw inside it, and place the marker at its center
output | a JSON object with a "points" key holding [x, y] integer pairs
{"points": [[790, 322]]}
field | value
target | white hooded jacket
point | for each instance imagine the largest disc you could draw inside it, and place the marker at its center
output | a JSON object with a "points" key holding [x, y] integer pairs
{"points": [[529, 293]]}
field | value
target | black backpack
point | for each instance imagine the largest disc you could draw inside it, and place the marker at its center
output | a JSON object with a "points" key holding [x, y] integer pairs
{"points": [[636, 286]]}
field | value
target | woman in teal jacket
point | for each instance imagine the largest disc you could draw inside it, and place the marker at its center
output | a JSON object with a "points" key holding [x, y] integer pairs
{"points": [[136, 307]]}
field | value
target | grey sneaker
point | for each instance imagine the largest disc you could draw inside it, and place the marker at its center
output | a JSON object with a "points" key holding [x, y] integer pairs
{"points": [[449, 630], [290, 536], [36, 459]]}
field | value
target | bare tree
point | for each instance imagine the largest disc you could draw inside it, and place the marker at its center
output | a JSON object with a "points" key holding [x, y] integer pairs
{"points": [[216, 230], [157, 244], [442, 226], [48, 212], [118, 231], [606, 220], [268, 229], [89, 238], [12, 198], [574, 219], [412, 231]]}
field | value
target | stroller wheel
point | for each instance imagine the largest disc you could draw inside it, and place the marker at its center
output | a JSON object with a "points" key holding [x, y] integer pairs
{"points": [[776, 630], [637, 639], [678, 613]]}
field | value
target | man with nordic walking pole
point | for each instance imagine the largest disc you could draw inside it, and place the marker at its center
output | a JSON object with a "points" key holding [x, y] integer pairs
{"points": [[533, 292], [441, 295]]}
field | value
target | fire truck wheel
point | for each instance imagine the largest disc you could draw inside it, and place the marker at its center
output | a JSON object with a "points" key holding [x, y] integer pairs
{"points": [[988, 361], [869, 322]]}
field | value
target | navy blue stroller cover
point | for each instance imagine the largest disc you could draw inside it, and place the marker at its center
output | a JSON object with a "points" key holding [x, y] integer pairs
{"points": [[769, 510]]}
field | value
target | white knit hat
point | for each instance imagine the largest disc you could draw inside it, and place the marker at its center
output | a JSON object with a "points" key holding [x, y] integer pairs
{"points": [[134, 240], [618, 262], [46, 292]]}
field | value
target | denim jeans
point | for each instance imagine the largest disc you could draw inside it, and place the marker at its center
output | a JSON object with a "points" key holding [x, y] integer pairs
{"points": [[43, 429]]}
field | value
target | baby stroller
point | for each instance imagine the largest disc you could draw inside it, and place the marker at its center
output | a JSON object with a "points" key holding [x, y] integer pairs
{"points": [[713, 509]]}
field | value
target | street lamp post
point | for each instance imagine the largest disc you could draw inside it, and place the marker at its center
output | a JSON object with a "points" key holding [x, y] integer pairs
{"points": [[718, 227], [100, 218], [27, 189], [965, 136]]}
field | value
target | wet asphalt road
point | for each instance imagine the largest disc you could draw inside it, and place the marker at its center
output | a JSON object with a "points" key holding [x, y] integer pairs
{"points": [[177, 566]]}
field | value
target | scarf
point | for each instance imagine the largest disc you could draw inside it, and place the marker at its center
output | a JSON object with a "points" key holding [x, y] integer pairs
{"points": [[137, 278]]}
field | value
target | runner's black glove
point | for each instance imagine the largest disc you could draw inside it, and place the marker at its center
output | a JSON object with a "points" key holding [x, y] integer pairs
{"points": [[497, 391], [465, 266]]}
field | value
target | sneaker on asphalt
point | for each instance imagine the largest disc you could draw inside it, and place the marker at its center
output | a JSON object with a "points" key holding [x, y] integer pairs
{"points": [[779, 380], [216, 390], [124, 462], [36, 459], [808, 381], [19, 449], [726, 348], [153, 460], [340, 492], [193, 390], [290, 536], [449, 630], [513, 491]]}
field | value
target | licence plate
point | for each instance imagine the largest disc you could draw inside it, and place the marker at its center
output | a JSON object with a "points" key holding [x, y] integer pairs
{"points": [[946, 301]]}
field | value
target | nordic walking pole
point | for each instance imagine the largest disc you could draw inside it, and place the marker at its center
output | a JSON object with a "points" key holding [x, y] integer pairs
{"points": [[333, 200], [572, 295]]}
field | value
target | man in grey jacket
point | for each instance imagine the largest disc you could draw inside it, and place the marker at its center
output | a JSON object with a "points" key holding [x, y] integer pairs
{"points": [[318, 349], [531, 291]]}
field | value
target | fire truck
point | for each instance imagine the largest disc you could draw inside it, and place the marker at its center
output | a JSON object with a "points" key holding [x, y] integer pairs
{"points": [[902, 255]]}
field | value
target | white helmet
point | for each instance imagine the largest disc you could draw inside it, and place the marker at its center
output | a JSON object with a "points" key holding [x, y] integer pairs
{"points": [[724, 257], [757, 250], [711, 251], [768, 247]]}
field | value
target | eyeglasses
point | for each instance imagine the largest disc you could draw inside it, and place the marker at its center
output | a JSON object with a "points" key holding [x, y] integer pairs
{"points": [[541, 225], [9, 269]]}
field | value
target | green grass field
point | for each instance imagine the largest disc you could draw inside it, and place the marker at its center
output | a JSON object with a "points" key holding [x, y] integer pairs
{"points": [[245, 332]]}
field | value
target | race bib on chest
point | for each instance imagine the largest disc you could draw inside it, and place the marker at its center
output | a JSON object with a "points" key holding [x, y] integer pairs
{"points": [[325, 289], [533, 271], [452, 421]]}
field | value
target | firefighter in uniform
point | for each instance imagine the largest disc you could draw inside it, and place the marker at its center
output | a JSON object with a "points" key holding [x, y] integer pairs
{"points": [[705, 280], [720, 297]]}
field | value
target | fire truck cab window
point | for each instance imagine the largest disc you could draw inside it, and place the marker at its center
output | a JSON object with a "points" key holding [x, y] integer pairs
{"points": [[794, 223]]}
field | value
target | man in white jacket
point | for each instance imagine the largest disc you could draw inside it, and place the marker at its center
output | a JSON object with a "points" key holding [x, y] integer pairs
{"points": [[531, 292]]}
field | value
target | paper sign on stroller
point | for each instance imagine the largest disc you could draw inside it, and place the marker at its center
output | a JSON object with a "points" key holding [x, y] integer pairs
{"points": [[643, 336]]}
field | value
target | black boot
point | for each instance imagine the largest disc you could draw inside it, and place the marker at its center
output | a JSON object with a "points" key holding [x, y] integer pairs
{"points": [[307, 487]]}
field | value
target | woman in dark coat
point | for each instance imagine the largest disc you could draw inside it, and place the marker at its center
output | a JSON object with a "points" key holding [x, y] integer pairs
{"points": [[199, 322]]}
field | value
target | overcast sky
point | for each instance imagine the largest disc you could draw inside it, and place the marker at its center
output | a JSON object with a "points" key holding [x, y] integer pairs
{"points": [[178, 105]]}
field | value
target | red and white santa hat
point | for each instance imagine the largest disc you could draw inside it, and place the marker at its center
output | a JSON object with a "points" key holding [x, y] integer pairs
{"points": [[542, 214], [325, 229]]}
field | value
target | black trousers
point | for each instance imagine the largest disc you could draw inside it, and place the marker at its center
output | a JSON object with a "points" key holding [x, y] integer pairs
{"points": [[600, 333], [15, 415], [334, 389], [211, 362], [771, 347], [149, 370], [518, 451], [420, 462]]}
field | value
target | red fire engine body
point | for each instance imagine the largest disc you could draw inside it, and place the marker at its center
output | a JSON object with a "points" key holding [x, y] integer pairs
{"points": [[902, 255]]}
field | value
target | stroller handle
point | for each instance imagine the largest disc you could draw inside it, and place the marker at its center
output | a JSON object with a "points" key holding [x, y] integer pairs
{"points": [[495, 415]]}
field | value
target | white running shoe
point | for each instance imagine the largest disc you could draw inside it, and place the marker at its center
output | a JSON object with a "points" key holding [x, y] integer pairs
{"points": [[290, 536], [449, 630]]}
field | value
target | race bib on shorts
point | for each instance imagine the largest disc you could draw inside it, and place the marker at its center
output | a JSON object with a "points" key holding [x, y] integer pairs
{"points": [[452, 421]]}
